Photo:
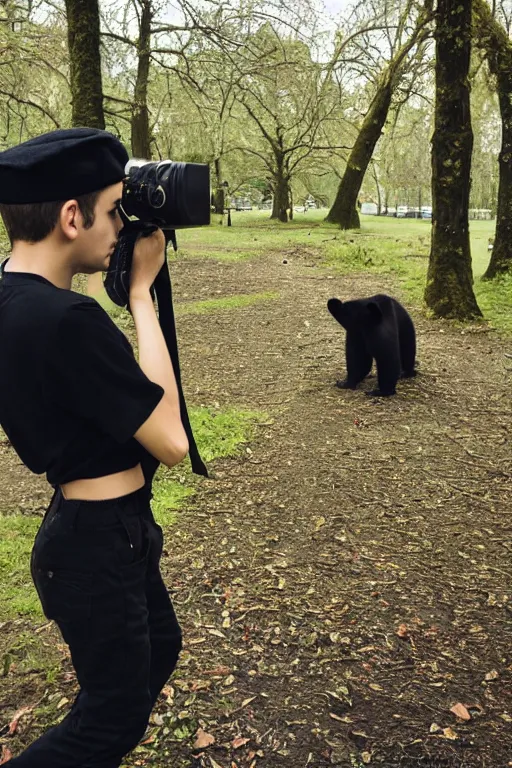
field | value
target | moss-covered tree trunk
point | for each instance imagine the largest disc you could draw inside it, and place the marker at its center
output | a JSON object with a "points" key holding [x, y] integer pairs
{"points": [[344, 209], [449, 290], [140, 131], [83, 21], [497, 47]]}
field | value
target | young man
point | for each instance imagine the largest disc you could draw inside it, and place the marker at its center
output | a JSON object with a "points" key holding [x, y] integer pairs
{"points": [[76, 405]]}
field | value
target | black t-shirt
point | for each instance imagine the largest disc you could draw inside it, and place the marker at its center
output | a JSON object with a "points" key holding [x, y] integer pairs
{"points": [[72, 394]]}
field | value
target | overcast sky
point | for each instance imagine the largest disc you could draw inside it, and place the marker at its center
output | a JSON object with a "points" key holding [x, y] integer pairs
{"points": [[336, 10], [336, 6]]}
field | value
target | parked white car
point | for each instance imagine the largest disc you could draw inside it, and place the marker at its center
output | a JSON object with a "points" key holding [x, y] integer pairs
{"points": [[370, 209]]}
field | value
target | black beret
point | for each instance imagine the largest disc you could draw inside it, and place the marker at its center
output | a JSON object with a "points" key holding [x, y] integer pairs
{"points": [[61, 165]]}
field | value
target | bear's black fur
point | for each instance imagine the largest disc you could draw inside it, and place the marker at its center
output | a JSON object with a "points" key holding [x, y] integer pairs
{"points": [[380, 329]]}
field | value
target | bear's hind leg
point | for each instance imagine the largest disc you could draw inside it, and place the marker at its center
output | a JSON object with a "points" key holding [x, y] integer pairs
{"points": [[359, 361], [388, 373]]}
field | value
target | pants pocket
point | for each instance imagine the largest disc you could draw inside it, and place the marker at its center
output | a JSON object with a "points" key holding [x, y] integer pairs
{"points": [[65, 595], [132, 543]]}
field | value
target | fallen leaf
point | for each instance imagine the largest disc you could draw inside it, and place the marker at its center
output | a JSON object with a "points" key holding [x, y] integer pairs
{"points": [[506, 717], [492, 675], [62, 702], [214, 763], [220, 670], [402, 631], [200, 685], [341, 719], [319, 522], [16, 718], [217, 633], [460, 711], [449, 733], [245, 702], [376, 687], [366, 757], [203, 739], [435, 728], [239, 742], [6, 755], [230, 679]]}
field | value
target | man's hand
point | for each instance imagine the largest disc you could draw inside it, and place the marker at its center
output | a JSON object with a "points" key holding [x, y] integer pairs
{"points": [[148, 258]]}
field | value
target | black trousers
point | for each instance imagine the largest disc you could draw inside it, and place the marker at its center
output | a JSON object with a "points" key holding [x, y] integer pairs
{"points": [[95, 565]]}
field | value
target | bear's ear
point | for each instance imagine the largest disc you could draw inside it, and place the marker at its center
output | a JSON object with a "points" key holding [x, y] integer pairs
{"points": [[337, 310], [375, 311]]}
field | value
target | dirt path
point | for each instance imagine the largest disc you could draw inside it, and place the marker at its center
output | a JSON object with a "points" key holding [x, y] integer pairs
{"points": [[347, 581]]}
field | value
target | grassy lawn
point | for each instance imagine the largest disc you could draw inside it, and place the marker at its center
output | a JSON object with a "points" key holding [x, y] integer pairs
{"points": [[386, 245], [252, 231]]}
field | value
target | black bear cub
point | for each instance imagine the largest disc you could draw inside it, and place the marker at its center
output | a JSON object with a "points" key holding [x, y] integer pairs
{"points": [[380, 329]]}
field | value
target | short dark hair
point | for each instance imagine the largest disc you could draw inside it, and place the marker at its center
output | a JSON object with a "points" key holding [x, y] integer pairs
{"points": [[35, 221]]}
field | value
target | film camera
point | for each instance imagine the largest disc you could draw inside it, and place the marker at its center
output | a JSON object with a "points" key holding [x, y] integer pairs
{"points": [[170, 195], [163, 194]]}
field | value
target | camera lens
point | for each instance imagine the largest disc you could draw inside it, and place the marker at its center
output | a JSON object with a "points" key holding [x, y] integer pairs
{"points": [[157, 197]]}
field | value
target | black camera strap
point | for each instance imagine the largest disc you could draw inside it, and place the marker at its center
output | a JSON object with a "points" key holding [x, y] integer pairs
{"points": [[117, 283], [163, 290]]}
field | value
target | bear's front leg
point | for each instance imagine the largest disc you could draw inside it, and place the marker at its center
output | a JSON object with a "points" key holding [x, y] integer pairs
{"points": [[346, 384]]}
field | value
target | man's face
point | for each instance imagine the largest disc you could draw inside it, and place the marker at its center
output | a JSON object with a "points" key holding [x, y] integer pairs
{"points": [[95, 245]]}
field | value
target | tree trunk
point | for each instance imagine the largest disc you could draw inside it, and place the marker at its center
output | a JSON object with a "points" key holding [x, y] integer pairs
{"points": [[281, 192], [140, 132], [219, 194], [377, 187], [274, 214], [449, 290], [492, 37], [344, 209], [83, 20]]}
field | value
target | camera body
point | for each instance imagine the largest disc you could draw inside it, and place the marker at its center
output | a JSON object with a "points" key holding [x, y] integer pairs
{"points": [[171, 195]]}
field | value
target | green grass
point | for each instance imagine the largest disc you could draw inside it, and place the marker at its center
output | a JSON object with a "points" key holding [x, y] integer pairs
{"points": [[495, 300], [123, 318], [228, 302], [219, 433], [17, 533], [383, 245]]}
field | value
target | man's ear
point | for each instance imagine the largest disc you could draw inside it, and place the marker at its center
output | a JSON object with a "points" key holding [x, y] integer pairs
{"points": [[69, 219]]}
